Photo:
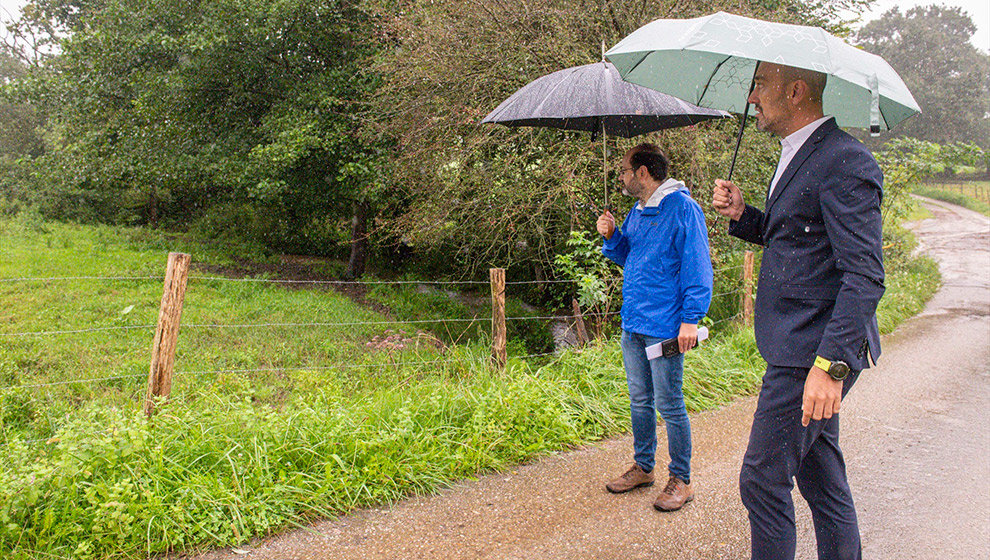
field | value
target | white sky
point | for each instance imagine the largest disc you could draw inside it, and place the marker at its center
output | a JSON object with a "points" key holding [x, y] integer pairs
{"points": [[979, 10]]}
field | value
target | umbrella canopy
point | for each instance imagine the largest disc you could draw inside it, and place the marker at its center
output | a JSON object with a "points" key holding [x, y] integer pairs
{"points": [[593, 97], [714, 59]]}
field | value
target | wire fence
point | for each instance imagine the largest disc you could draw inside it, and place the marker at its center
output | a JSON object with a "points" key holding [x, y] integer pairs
{"points": [[571, 320], [979, 190], [461, 361], [310, 281]]}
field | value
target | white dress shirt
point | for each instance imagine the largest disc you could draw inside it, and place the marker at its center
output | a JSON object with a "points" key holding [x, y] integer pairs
{"points": [[790, 145]]}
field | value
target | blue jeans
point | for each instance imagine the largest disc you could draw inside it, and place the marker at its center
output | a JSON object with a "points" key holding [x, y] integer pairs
{"points": [[655, 386]]}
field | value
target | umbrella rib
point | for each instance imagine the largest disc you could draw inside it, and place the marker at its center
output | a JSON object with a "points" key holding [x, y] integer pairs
{"points": [[638, 62], [710, 78]]}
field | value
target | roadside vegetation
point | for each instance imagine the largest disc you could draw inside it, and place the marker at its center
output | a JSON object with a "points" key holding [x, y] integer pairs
{"points": [[974, 195], [271, 428]]}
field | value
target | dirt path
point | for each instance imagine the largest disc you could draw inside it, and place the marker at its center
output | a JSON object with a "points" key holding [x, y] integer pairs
{"points": [[914, 432]]}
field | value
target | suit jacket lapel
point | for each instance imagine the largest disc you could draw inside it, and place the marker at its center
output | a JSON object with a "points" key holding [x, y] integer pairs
{"points": [[802, 154]]}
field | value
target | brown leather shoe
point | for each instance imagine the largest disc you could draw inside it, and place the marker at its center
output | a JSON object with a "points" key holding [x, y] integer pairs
{"points": [[674, 495], [632, 478]]}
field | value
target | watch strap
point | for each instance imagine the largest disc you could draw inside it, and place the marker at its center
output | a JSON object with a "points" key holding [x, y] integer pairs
{"points": [[822, 364]]}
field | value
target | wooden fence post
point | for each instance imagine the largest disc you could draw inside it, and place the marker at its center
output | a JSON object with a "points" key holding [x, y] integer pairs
{"points": [[582, 332], [747, 288], [499, 355], [167, 331]]}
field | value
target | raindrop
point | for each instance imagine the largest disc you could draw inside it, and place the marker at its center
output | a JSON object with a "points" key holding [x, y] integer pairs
{"points": [[807, 229]]}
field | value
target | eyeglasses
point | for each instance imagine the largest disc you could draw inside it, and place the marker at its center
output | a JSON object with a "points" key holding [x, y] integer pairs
{"points": [[622, 170]]}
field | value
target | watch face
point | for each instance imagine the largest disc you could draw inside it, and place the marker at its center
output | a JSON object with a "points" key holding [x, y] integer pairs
{"points": [[839, 370]]}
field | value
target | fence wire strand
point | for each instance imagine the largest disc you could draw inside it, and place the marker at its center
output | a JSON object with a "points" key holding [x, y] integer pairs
{"points": [[736, 316], [349, 324], [341, 282], [353, 366], [727, 293], [79, 331], [278, 281], [728, 268], [66, 278], [70, 382]]}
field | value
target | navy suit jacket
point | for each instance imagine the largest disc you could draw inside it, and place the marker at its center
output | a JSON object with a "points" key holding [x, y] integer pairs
{"points": [[821, 274]]}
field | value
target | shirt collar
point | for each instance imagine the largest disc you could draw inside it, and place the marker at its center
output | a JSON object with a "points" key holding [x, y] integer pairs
{"points": [[665, 188], [795, 140]]}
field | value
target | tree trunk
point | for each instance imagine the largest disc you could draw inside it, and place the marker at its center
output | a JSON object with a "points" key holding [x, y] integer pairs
{"points": [[359, 240], [153, 210]]}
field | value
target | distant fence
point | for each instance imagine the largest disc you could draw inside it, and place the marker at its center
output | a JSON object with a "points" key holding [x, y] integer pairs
{"points": [[166, 331], [979, 190]]}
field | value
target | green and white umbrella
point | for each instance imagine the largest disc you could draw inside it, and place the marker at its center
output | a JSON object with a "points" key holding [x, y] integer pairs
{"points": [[710, 62]]}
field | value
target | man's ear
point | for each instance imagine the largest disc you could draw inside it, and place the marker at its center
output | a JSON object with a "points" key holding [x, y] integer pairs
{"points": [[798, 91]]}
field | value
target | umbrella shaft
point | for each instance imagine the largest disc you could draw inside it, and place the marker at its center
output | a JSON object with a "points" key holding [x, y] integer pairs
{"points": [[742, 125]]}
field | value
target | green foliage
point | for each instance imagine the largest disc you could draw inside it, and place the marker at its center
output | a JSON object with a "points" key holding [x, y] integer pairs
{"points": [[271, 122], [905, 161], [503, 196], [457, 317], [221, 471], [598, 280], [930, 48], [169, 112], [973, 195], [910, 284]]}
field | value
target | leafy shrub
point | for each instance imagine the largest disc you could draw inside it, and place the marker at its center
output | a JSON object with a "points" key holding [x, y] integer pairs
{"points": [[596, 279]]}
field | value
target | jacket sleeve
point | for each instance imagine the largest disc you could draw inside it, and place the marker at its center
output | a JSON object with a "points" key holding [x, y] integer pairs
{"points": [[696, 265], [850, 202], [617, 247], [749, 227]]}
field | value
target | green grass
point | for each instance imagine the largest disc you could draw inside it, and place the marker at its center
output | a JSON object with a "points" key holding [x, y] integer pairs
{"points": [[240, 453], [909, 286], [974, 195]]}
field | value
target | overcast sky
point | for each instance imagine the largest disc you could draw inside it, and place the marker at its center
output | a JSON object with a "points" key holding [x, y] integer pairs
{"points": [[979, 10]]}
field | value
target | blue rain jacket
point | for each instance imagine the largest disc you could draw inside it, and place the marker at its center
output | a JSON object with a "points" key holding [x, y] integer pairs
{"points": [[667, 267]]}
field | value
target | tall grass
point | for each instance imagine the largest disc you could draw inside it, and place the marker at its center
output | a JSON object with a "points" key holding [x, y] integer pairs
{"points": [[270, 428], [974, 195]]}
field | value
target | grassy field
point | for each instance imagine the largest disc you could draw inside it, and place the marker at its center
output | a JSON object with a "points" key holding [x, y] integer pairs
{"points": [[272, 426], [974, 195]]}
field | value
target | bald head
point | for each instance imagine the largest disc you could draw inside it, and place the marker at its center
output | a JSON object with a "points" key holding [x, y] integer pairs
{"points": [[786, 98], [815, 81]]}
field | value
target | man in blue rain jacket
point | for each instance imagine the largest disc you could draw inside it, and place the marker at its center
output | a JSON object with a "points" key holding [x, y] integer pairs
{"points": [[666, 289]]}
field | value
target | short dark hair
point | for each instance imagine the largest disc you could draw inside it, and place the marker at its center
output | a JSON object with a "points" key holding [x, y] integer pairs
{"points": [[651, 156]]}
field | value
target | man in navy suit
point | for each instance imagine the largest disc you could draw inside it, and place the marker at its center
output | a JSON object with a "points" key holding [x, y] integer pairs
{"points": [[821, 278]]}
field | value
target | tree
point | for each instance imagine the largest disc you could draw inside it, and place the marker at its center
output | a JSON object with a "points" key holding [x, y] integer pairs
{"points": [[494, 196], [950, 78], [236, 113], [18, 120]]}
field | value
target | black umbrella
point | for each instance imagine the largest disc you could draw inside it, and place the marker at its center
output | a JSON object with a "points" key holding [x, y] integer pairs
{"points": [[594, 97]]}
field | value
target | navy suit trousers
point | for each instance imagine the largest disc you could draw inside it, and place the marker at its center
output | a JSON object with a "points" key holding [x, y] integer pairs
{"points": [[782, 450]]}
